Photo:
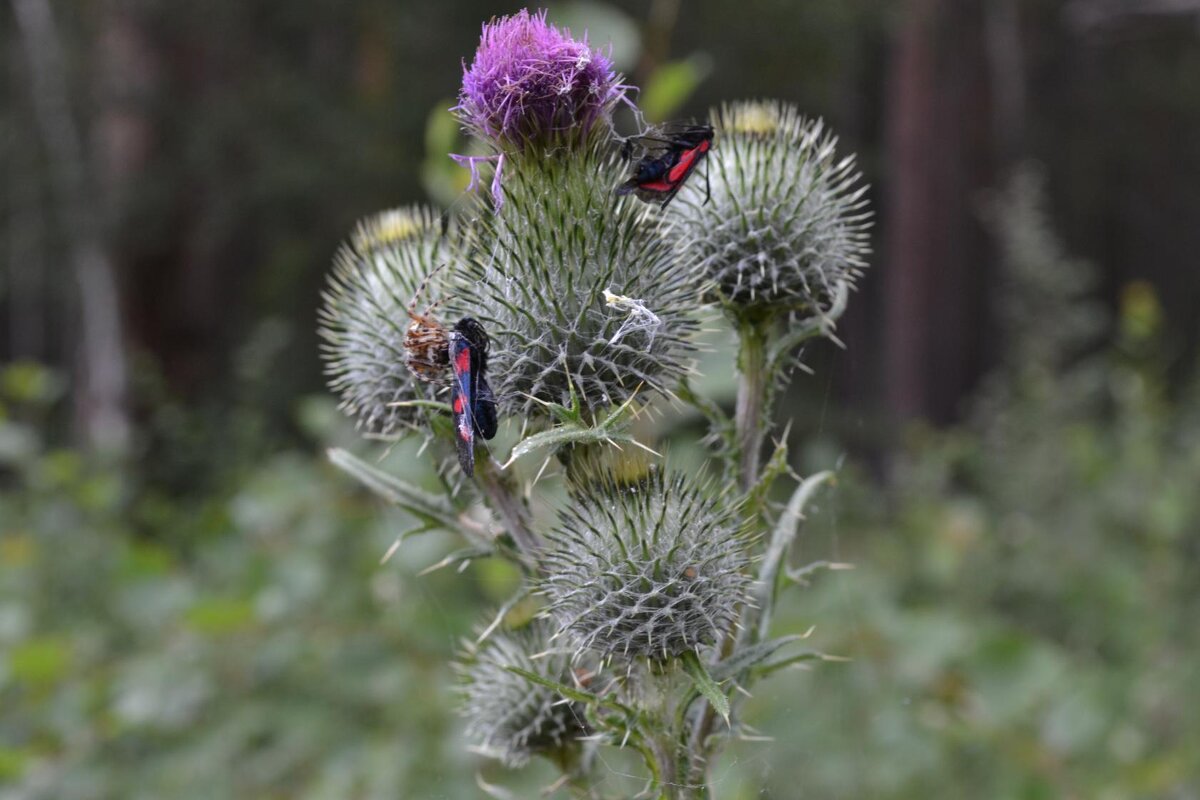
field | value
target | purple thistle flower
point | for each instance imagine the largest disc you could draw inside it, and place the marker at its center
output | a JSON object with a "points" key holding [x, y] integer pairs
{"points": [[531, 82]]}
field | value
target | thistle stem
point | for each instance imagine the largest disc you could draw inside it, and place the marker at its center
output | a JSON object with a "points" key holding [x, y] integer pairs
{"points": [[665, 771], [751, 397], [750, 429], [506, 503]]}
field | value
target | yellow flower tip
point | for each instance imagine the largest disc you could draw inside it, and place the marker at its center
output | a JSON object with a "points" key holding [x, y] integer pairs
{"points": [[753, 119], [390, 227]]}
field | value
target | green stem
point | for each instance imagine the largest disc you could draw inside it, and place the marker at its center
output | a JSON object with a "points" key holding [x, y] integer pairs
{"points": [[750, 428], [749, 425], [507, 504], [666, 772]]}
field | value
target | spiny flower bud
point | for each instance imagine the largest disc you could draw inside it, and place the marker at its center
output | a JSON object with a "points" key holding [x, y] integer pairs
{"points": [[376, 279], [532, 83], [787, 222], [647, 567], [578, 288], [508, 716]]}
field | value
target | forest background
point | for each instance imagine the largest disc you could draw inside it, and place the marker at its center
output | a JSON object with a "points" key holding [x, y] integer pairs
{"points": [[191, 600]]}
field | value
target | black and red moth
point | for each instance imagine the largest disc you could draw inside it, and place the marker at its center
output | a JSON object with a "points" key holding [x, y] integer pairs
{"points": [[670, 157], [471, 398]]}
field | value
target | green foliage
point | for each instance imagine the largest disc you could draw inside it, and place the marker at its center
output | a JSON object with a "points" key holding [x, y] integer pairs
{"points": [[270, 656], [1023, 610], [671, 85], [1020, 623]]}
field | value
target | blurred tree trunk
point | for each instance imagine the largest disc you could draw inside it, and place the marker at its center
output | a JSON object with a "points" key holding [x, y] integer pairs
{"points": [[82, 196], [910, 213], [27, 280], [940, 154]]}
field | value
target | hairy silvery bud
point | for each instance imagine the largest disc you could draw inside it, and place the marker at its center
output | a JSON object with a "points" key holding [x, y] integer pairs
{"points": [[368, 310], [644, 567], [578, 288], [509, 717], [787, 223]]}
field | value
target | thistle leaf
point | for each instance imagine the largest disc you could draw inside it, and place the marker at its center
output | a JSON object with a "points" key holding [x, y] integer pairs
{"points": [[460, 557], [784, 534], [606, 430], [820, 325], [764, 670], [750, 657], [705, 684], [574, 694], [566, 691], [418, 502]]}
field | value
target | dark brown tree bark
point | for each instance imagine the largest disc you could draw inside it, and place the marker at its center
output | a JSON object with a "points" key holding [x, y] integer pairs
{"points": [[941, 151], [910, 210]]}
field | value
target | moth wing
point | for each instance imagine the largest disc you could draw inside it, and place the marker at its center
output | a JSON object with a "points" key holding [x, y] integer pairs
{"points": [[461, 402], [486, 418]]}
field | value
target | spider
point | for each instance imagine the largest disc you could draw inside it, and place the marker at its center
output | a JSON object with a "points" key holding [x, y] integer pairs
{"points": [[426, 342]]}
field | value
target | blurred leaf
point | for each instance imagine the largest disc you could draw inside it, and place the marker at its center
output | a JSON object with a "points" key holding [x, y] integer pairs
{"points": [[221, 615], [30, 382], [671, 85], [444, 180], [42, 660], [18, 443], [605, 26], [12, 763], [145, 559]]}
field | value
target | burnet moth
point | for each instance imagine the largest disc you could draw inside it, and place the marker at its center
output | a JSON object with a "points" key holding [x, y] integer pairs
{"points": [[668, 157], [471, 399]]}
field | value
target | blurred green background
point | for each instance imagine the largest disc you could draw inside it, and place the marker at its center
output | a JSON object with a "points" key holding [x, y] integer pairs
{"points": [[191, 599]]}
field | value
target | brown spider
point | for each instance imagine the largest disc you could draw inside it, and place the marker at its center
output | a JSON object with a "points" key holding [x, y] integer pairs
{"points": [[426, 342]]}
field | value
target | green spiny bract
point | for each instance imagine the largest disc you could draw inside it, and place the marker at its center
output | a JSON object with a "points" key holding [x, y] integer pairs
{"points": [[578, 289], [509, 717], [376, 277], [643, 568], [787, 221]]}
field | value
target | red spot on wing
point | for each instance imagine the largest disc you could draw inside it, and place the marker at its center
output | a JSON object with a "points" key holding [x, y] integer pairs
{"points": [[686, 161], [458, 404], [462, 361], [657, 186]]}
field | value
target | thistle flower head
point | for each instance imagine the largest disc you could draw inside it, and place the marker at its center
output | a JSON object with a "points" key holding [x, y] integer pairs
{"points": [[579, 290], [509, 717], [531, 82], [787, 223], [643, 568], [376, 281]]}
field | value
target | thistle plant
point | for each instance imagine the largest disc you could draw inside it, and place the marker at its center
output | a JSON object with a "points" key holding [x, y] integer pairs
{"points": [[647, 568], [508, 718], [652, 586], [779, 246]]}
